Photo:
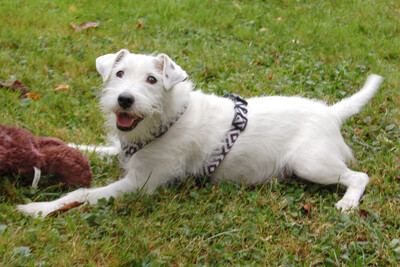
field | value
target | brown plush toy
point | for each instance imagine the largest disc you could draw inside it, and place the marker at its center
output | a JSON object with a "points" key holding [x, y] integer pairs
{"points": [[23, 153]]}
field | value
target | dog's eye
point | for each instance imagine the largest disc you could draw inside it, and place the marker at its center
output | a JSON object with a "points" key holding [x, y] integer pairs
{"points": [[120, 74], [151, 80]]}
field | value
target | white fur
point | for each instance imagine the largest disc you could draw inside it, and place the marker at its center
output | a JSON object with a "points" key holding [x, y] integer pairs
{"points": [[284, 135]]}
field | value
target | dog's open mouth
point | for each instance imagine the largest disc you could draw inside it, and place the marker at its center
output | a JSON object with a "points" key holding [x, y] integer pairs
{"points": [[127, 121]]}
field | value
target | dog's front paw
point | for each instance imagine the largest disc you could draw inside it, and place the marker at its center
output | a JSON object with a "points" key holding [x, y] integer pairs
{"points": [[37, 209], [346, 205]]}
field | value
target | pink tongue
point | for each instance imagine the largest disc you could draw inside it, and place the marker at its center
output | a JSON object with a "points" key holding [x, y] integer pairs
{"points": [[125, 120]]}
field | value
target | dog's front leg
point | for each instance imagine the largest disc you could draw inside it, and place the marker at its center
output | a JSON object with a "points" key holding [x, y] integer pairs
{"points": [[83, 195]]}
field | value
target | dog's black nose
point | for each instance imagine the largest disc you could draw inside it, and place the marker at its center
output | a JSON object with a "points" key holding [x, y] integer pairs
{"points": [[125, 100]]}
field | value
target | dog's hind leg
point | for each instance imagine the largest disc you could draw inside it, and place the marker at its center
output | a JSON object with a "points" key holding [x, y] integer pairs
{"points": [[83, 195], [355, 183], [330, 169]]}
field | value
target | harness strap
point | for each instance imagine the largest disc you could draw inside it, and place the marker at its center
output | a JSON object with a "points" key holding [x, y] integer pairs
{"points": [[128, 149], [239, 123]]}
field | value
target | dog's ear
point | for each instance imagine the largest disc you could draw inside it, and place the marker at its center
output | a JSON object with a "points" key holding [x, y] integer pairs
{"points": [[105, 64], [172, 73]]}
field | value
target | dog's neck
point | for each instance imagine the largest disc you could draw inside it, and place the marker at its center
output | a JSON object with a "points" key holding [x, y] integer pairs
{"points": [[177, 100]]}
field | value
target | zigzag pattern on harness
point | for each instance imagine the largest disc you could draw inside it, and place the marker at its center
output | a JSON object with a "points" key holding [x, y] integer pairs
{"points": [[239, 123], [128, 149]]}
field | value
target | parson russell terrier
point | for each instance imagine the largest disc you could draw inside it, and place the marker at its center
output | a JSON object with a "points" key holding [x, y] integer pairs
{"points": [[167, 131]]}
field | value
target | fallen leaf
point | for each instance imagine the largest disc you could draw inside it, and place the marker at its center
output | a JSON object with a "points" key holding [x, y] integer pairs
{"points": [[382, 108], [72, 8], [32, 96], [204, 72], [65, 208], [16, 86], [140, 25], [364, 213], [276, 58], [270, 76], [307, 208], [84, 25], [61, 87], [360, 238], [89, 25]]}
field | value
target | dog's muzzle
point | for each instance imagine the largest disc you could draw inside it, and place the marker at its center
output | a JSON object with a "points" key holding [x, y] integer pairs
{"points": [[126, 121]]}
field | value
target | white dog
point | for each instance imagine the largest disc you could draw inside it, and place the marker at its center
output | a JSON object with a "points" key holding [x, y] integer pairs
{"points": [[167, 131]]}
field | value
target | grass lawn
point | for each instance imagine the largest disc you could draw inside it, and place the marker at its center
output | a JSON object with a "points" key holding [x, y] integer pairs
{"points": [[317, 49]]}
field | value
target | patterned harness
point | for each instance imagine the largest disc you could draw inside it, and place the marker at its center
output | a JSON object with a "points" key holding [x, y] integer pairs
{"points": [[239, 123], [129, 149]]}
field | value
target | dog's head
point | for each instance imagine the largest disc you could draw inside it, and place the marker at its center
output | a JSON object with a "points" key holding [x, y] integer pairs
{"points": [[135, 85]]}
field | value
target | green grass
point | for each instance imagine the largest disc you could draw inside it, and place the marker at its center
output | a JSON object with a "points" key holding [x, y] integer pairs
{"points": [[318, 49]]}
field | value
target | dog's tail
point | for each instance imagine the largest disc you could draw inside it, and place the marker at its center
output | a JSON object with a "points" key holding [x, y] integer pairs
{"points": [[353, 104]]}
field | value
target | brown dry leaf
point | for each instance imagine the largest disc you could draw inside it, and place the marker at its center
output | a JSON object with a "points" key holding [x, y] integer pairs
{"points": [[65, 208], [204, 72], [16, 86], [307, 208], [270, 76], [61, 87], [364, 213], [32, 96], [84, 25], [360, 238], [89, 25], [140, 25]]}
